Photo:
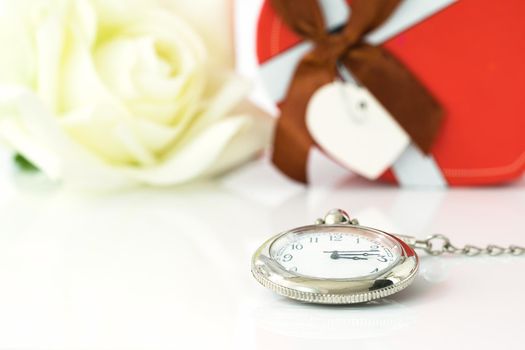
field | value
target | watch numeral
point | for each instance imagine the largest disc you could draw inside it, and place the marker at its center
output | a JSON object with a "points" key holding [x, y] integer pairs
{"points": [[314, 239], [297, 246], [382, 258], [336, 237], [287, 257]]}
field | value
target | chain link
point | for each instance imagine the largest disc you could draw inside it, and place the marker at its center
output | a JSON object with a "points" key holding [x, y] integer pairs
{"points": [[438, 244]]}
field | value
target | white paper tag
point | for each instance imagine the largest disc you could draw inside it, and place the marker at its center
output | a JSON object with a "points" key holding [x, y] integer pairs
{"points": [[350, 125]]}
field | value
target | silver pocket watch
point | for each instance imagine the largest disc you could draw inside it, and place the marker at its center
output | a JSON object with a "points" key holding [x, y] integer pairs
{"points": [[338, 261]]}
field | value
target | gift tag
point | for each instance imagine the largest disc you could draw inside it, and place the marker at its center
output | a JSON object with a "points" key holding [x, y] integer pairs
{"points": [[351, 126]]}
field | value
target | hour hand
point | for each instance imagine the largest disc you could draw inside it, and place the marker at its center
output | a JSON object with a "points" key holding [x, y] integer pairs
{"points": [[336, 255], [351, 257]]}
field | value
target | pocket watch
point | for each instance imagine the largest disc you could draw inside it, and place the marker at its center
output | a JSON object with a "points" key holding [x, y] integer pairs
{"points": [[338, 261]]}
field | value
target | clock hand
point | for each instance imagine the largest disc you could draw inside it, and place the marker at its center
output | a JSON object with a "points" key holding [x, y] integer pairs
{"points": [[352, 251], [355, 251], [335, 255], [351, 257], [354, 254]]}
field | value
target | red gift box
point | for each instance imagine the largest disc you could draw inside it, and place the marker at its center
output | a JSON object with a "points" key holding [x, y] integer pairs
{"points": [[470, 57]]}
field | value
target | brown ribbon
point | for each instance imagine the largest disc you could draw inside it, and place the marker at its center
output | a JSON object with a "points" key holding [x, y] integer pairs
{"points": [[385, 77]]}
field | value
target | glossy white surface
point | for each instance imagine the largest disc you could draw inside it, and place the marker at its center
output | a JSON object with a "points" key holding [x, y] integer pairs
{"points": [[169, 269]]}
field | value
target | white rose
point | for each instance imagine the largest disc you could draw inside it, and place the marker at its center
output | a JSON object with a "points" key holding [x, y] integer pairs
{"points": [[112, 93]]}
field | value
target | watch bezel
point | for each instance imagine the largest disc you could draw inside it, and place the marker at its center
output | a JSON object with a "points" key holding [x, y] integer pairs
{"points": [[273, 275]]}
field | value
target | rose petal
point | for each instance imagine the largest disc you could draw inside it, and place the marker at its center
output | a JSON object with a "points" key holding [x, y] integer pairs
{"points": [[230, 94], [212, 20], [254, 137], [195, 157]]}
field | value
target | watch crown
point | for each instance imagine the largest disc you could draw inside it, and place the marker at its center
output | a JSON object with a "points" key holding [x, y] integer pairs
{"points": [[337, 216]]}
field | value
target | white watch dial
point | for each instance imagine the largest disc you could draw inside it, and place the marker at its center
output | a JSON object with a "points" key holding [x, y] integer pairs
{"points": [[336, 254]]}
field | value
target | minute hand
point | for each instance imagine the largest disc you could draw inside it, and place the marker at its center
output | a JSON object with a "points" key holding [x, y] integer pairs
{"points": [[358, 255], [353, 252]]}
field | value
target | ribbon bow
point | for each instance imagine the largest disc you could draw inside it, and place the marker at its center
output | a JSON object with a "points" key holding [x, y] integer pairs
{"points": [[385, 77]]}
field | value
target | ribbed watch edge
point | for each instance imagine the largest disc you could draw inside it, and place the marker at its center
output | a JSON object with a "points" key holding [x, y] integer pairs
{"points": [[322, 298]]}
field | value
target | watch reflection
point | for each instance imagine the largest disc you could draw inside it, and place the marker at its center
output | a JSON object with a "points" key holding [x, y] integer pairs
{"points": [[293, 324]]}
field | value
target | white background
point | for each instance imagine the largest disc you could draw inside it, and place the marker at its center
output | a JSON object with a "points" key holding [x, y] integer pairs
{"points": [[169, 268]]}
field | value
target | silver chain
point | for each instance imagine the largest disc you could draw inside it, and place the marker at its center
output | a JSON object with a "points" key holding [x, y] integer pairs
{"points": [[438, 244]]}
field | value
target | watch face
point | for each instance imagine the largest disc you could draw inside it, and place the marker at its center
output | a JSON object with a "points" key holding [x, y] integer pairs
{"points": [[335, 252]]}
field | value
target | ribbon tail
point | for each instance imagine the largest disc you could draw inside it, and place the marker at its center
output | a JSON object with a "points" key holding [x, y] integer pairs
{"points": [[292, 141], [399, 91], [290, 150]]}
